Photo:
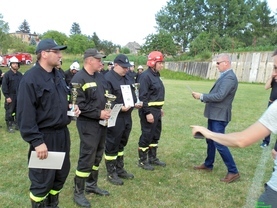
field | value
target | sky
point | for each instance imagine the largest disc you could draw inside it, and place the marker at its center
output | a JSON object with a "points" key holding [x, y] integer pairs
{"points": [[118, 21]]}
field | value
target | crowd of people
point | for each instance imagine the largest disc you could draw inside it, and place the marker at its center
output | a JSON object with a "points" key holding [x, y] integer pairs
{"points": [[37, 104]]}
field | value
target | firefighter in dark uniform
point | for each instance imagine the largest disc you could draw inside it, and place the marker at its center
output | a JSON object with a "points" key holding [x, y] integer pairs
{"points": [[91, 101], [10, 85], [42, 119], [73, 69], [118, 135], [151, 93]]}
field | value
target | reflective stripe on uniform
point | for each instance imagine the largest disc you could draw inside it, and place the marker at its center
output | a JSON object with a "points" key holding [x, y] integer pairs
{"points": [[95, 167], [110, 157], [120, 153], [158, 103], [88, 85], [82, 174], [54, 192], [153, 145], [37, 199], [143, 148]]}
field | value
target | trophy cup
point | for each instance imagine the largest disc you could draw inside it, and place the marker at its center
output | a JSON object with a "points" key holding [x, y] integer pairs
{"points": [[136, 86], [74, 94], [108, 107]]}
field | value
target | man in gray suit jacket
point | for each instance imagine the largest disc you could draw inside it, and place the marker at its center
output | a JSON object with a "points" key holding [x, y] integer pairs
{"points": [[218, 111]]}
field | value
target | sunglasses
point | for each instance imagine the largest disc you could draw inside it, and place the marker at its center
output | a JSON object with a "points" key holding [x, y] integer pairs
{"points": [[219, 62]]}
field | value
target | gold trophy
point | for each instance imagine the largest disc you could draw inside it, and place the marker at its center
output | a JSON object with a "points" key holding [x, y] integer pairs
{"points": [[74, 95], [108, 106], [137, 86]]}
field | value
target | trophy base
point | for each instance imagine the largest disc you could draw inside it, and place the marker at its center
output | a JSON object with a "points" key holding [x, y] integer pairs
{"points": [[103, 122], [71, 113]]}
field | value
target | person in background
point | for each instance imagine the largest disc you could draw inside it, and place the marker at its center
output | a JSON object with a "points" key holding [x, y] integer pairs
{"points": [[151, 93], [73, 69], [42, 119], [110, 66], [131, 72], [91, 101], [140, 70], [271, 84], [261, 128], [59, 67], [10, 83], [1, 77], [118, 135], [102, 68], [218, 111]]}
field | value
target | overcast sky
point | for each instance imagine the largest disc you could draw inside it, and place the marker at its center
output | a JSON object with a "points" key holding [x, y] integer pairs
{"points": [[118, 21]]}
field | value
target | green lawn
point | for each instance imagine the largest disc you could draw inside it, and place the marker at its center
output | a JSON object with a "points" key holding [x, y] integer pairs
{"points": [[176, 185]]}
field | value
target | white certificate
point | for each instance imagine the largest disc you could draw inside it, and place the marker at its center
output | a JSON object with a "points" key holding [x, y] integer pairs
{"points": [[127, 95], [114, 114], [53, 161]]}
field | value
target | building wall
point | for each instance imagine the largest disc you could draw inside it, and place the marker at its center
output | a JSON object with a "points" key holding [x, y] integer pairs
{"points": [[25, 37]]}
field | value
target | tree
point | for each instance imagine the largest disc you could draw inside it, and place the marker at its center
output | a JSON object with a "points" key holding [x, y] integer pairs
{"points": [[4, 36], [162, 41], [108, 47], [96, 40], [77, 44], [75, 29], [59, 37], [183, 19], [24, 27], [4, 26], [243, 20]]}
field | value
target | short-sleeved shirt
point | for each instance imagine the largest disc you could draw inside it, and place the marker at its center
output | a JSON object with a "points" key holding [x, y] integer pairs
{"points": [[269, 120]]}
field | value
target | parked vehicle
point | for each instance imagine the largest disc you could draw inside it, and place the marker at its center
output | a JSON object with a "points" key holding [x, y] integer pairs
{"points": [[24, 58]]}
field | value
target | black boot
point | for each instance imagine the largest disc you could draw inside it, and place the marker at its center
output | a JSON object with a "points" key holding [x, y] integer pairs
{"points": [[10, 127], [112, 175], [121, 172], [52, 201], [152, 157], [91, 185], [79, 195], [40, 204], [143, 162], [15, 125]]}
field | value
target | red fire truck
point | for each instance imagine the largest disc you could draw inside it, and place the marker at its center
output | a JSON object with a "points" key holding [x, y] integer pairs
{"points": [[24, 58]]}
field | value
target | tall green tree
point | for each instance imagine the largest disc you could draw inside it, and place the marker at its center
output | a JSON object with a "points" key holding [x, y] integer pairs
{"points": [[5, 39], [78, 43], [59, 37], [75, 29], [162, 41], [243, 20], [183, 19], [24, 27]]}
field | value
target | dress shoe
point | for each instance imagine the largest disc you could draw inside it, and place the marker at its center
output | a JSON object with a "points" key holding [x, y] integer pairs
{"points": [[202, 167], [230, 177]]}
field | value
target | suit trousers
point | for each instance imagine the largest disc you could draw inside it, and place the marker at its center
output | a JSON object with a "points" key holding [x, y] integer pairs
{"points": [[219, 127]]}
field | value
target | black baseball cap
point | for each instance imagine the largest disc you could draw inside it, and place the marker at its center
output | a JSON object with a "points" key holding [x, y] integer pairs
{"points": [[94, 53], [122, 60], [48, 44]]}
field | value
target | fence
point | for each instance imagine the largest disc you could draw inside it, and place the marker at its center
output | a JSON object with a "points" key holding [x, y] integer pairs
{"points": [[249, 67]]}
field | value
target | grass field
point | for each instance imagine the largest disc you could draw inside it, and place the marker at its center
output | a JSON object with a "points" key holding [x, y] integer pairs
{"points": [[176, 185]]}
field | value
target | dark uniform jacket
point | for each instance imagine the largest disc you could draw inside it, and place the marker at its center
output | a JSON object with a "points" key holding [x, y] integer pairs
{"points": [[41, 104], [90, 99], [115, 80], [10, 83], [151, 91], [68, 76]]}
